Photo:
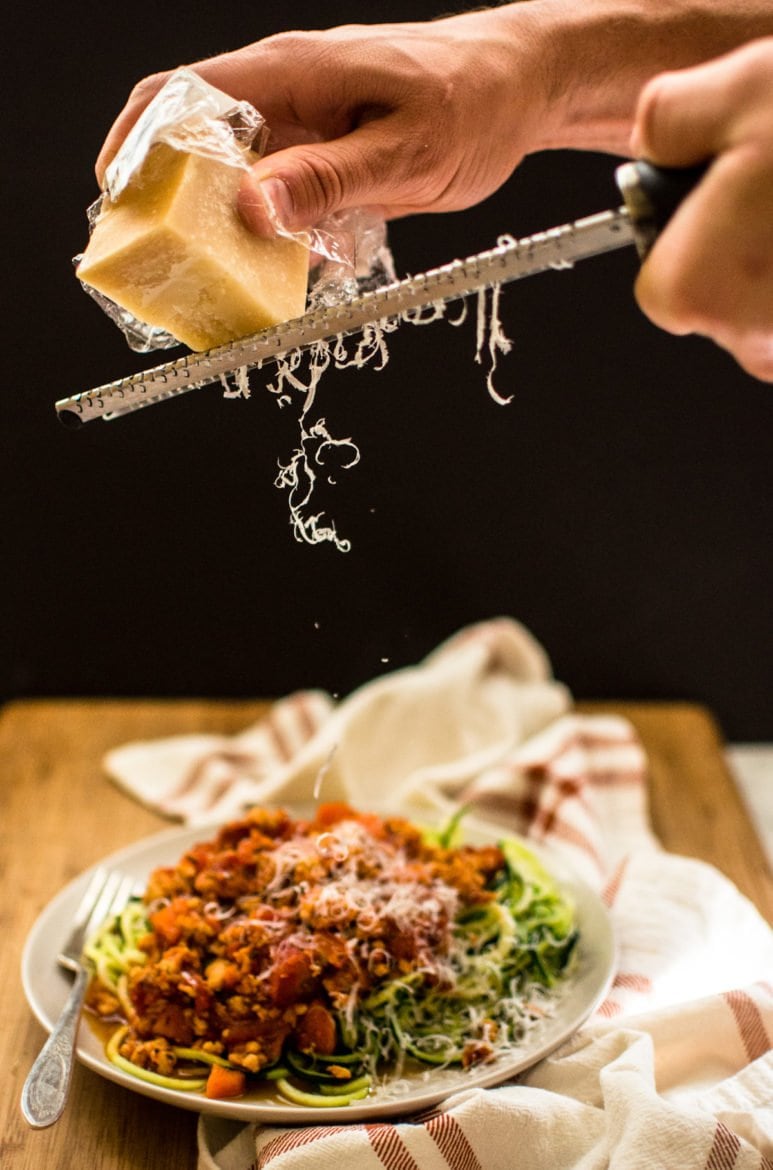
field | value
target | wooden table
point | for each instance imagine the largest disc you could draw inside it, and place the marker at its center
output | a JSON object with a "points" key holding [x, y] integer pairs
{"points": [[58, 815]]}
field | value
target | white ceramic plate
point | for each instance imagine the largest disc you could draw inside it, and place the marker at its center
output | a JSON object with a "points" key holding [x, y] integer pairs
{"points": [[46, 987]]}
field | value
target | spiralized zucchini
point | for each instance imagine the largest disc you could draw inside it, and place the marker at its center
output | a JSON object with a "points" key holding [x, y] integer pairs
{"points": [[190, 1084], [507, 952], [113, 950]]}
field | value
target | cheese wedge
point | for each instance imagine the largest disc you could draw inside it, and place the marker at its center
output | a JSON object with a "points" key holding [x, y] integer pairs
{"points": [[173, 251]]}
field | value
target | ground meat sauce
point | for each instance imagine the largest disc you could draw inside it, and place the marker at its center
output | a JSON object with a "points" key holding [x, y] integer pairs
{"points": [[270, 931]]}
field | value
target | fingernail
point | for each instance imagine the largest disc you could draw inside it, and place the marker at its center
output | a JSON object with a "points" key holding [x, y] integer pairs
{"points": [[276, 197]]}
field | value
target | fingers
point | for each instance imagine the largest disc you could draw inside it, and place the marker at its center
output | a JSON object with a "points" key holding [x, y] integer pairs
{"points": [[409, 117], [711, 270], [295, 189], [240, 74], [140, 97], [367, 156], [679, 119], [376, 165], [753, 352], [686, 117]]}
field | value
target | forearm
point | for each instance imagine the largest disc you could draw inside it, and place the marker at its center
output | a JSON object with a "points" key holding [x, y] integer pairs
{"points": [[595, 56]]}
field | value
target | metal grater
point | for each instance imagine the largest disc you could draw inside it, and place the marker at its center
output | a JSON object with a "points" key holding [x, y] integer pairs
{"points": [[650, 194]]}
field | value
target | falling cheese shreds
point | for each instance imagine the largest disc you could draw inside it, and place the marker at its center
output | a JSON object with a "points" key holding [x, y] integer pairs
{"points": [[424, 314], [239, 385], [456, 321], [491, 336], [298, 478], [300, 372]]}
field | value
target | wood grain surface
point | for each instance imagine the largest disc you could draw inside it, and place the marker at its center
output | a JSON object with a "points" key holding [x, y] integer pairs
{"points": [[59, 815]]}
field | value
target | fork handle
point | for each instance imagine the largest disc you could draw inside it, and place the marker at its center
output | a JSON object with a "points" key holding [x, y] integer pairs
{"points": [[48, 1081]]}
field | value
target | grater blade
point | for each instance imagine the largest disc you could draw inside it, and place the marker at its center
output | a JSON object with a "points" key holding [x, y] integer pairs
{"points": [[558, 247]]}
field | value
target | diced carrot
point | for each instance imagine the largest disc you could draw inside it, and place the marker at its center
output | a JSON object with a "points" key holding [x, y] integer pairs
{"points": [[165, 922], [372, 823], [292, 977], [225, 1082], [316, 1031], [332, 812]]}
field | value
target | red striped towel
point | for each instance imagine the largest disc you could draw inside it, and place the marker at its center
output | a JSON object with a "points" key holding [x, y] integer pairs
{"points": [[675, 1069], [671, 1090]]}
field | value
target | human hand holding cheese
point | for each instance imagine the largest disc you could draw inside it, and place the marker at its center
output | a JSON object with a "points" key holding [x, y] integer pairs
{"points": [[168, 246], [382, 115], [434, 116]]}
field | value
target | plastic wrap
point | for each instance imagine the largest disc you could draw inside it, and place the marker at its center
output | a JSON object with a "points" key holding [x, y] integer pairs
{"points": [[349, 251]]}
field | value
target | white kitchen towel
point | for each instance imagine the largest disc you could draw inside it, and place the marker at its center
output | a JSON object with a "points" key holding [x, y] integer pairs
{"points": [[641, 1097], [675, 1067], [673, 1072], [410, 738]]}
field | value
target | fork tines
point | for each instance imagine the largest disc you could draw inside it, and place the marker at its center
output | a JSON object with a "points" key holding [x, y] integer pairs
{"points": [[107, 892]]}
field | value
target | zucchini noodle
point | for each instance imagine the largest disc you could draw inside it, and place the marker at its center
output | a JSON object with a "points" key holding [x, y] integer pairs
{"points": [[320, 957], [113, 949]]}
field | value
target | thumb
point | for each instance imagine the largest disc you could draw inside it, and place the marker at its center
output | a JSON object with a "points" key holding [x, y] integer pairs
{"points": [[296, 188]]}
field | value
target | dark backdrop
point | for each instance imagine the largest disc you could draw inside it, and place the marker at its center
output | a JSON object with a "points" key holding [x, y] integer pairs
{"points": [[620, 506]]}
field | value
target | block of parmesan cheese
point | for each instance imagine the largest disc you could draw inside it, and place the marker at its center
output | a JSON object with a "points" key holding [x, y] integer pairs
{"points": [[173, 251]]}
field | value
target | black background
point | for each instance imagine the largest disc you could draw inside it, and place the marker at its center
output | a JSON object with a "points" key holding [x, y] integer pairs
{"points": [[620, 506]]}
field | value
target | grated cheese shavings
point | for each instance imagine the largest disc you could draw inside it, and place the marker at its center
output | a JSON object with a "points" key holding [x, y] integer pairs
{"points": [[491, 336], [240, 386], [300, 372]]}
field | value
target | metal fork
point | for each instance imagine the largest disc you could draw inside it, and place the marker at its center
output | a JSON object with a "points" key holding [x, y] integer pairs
{"points": [[45, 1091]]}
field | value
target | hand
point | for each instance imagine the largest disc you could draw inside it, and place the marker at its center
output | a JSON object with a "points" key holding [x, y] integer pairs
{"points": [[435, 115], [431, 116], [711, 270]]}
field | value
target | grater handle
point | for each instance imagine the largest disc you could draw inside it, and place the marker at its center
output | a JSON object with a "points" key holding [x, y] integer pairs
{"points": [[652, 195]]}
